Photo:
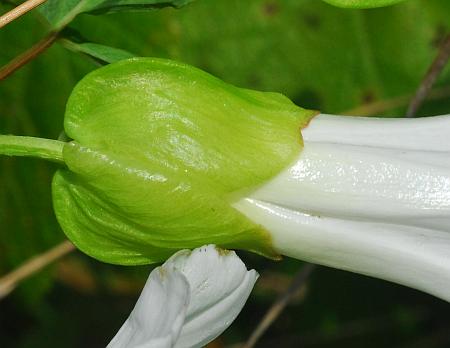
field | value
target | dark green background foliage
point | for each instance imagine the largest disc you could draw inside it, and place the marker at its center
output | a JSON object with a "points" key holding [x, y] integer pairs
{"points": [[320, 56]]}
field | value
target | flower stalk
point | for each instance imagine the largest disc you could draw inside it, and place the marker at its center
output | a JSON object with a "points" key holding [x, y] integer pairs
{"points": [[48, 149]]}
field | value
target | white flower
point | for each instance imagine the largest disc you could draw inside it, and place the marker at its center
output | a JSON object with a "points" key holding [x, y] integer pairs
{"points": [[188, 301], [366, 195]]}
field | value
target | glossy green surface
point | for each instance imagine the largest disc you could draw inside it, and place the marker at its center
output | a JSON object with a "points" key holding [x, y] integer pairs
{"points": [[160, 150]]}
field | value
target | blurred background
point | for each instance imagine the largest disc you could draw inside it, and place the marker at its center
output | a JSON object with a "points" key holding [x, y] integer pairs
{"points": [[359, 62]]}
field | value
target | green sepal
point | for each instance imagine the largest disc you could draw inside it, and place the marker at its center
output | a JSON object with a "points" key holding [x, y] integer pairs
{"points": [[160, 150]]}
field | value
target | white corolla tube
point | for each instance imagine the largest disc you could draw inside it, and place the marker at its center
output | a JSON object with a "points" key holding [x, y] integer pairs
{"points": [[366, 195], [188, 301]]}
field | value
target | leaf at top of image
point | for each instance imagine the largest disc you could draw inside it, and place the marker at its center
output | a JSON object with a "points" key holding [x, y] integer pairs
{"points": [[60, 13], [362, 3]]}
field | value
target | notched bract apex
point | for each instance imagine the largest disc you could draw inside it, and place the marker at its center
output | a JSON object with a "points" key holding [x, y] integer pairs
{"points": [[159, 148]]}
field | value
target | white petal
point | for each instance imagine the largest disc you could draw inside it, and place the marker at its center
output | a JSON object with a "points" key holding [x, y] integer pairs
{"points": [[367, 195], [188, 301], [424, 134], [220, 285], [159, 313], [361, 182], [412, 256]]}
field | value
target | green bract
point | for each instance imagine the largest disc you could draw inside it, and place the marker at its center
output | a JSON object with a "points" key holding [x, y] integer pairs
{"points": [[160, 149]]}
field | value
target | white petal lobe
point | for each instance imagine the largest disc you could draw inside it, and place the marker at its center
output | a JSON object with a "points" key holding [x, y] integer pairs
{"points": [[159, 313], [188, 301], [220, 285]]}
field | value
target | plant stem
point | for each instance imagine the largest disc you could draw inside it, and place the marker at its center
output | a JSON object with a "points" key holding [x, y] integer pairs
{"points": [[19, 11], [430, 78], [10, 281], [379, 106], [298, 282], [28, 55], [11, 145]]}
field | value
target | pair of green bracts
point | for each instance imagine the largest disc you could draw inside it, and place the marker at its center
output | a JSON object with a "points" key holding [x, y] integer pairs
{"points": [[159, 151]]}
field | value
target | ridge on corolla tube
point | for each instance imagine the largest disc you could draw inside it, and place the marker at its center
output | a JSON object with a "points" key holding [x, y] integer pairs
{"points": [[160, 150]]}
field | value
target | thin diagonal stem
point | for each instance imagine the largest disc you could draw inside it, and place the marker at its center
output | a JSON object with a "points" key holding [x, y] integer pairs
{"points": [[10, 281], [430, 77], [19, 11], [272, 314], [380, 106], [28, 55]]}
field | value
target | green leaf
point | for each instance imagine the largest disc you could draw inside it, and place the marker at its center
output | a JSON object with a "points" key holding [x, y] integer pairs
{"points": [[362, 3], [106, 6], [318, 55], [160, 151], [100, 53], [60, 13]]}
